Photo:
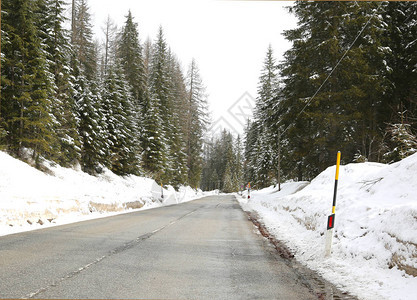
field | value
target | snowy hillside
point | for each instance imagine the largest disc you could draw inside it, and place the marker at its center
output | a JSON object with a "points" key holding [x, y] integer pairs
{"points": [[375, 241], [31, 199]]}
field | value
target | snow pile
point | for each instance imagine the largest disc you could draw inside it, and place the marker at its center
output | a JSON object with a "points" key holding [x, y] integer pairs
{"points": [[374, 250], [31, 199]]}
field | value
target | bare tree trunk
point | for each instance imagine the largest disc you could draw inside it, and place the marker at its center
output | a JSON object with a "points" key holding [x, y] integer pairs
{"points": [[20, 128], [300, 172], [0, 66], [106, 46], [73, 22], [189, 115]]}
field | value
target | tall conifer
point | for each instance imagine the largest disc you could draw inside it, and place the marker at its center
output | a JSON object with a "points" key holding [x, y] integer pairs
{"points": [[196, 122], [26, 81]]}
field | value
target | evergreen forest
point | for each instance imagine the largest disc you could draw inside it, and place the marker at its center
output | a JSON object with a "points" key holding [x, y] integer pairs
{"points": [[348, 83], [123, 104], [222, 164]]}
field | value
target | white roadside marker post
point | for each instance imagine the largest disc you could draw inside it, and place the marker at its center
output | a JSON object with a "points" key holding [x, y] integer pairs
{"points": [[331, 218]]}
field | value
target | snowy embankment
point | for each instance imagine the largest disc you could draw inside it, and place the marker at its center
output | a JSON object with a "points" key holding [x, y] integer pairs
{"points": [[374, 250], [31, 199]]}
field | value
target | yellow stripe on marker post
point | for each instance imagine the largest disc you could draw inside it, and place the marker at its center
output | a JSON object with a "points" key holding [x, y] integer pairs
{"points": [[331, 218], [335, 181]]}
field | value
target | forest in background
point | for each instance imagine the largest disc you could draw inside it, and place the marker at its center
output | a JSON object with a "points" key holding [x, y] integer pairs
{"points": [[223, 163], [124, 104]]}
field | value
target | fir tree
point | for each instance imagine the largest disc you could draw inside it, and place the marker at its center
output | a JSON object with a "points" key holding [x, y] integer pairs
{"points": [[238, 176], [263, 164], [152, 143], [86, 52], [159, 93], [121, 130], [267, 86], [26, 82], [228, 186], [196, 121], [266, 102], [178, 133], [87, 92], [130, 55], [90, 127], [57, 50], [250, 152]]}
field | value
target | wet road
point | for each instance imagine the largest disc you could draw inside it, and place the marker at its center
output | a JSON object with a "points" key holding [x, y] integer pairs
{"points": [[204, 249]]}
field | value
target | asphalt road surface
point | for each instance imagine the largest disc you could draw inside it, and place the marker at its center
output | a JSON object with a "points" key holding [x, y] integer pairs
{"points": [[204, 249]]}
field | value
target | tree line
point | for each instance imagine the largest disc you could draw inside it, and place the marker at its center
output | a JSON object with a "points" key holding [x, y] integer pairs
{"points": [[223, 163], [367, 108], [122, 104]]}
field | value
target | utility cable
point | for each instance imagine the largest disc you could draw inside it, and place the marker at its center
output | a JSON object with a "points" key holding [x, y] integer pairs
{"points": [[330, 74]]}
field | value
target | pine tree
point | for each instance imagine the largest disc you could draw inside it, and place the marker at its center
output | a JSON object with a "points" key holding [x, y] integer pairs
{"points": [[85, 50], [130, 55], [160, 98], [26, 82], [250, 152], [228, 186], [238, 176], [121, 130], [55, 38], [266, 102], [87, 92], [263, 164], [90, 127], [267, 86], [152, 141], [152, 131], [178, 142], [196, 121]]}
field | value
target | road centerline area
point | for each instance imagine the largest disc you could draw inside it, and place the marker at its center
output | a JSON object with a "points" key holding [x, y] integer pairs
{"points": [[115, 251], [203, 249]]}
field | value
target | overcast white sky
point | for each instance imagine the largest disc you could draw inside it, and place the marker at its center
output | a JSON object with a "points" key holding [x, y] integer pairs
{"points": [[228, 39]]}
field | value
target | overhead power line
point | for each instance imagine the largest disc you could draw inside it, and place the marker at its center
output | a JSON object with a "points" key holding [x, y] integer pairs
{"points": [[337, 64]]}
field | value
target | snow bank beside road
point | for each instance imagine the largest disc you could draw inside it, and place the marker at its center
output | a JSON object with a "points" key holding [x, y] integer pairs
{"points": [[375, 241], [31, 199]]}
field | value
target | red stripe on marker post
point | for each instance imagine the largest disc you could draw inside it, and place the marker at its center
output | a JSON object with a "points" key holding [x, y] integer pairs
{"points": [[330, 221]]}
